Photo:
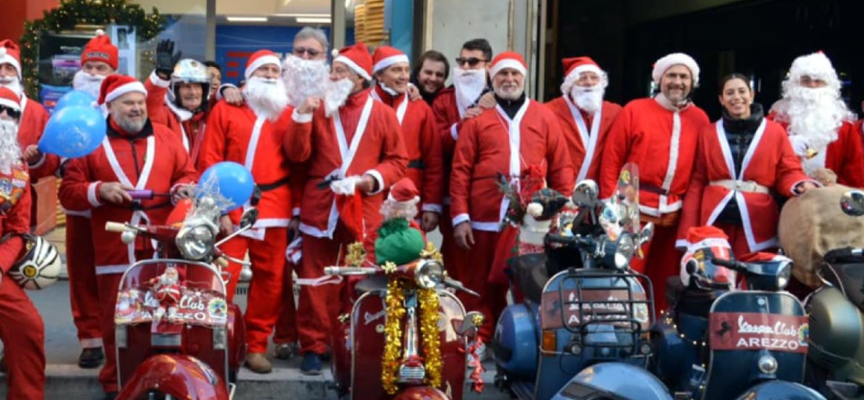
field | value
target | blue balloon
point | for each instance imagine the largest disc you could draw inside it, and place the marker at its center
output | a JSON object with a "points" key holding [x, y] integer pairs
{"points": [[233, 182], [74, 131], [75, 98]]}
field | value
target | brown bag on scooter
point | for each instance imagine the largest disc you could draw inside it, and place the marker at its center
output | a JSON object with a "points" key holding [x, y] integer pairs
{"points": [[813, 224]]}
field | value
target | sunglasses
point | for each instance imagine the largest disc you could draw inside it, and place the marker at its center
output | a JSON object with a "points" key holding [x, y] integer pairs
{"points": [[311, 52], [472, 62], [16, 114]]}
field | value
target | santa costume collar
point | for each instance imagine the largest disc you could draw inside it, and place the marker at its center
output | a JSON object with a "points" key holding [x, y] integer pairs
{"points": [[749, 125], [356, 99], [511, 107], [386, 95], [116, 131], [665, 103]]}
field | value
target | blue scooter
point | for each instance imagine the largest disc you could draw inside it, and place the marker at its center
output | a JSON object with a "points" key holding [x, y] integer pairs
{"points": [[719, 344], [582, 334]]}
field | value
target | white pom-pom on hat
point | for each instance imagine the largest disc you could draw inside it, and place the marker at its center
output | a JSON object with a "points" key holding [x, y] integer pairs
{"points": [[334, 53], [99, 32], [534, 209]]}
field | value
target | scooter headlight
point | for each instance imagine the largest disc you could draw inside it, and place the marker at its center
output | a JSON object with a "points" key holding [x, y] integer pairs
{"points": [[429, 273], [195, 242], [784, 273]]}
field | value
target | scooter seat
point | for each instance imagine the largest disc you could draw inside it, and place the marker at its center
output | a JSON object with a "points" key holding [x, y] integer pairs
{"points": [[377, 282]]}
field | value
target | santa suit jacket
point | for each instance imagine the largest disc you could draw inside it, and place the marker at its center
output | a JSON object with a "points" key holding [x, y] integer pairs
{"points": [[14, 214], [364, 138], [162, 111], [576, 124], [662, 143], [33, 121], [844, 156], [237, 134], [422, 144], [492, 144], [769, 161], [152, 160]]}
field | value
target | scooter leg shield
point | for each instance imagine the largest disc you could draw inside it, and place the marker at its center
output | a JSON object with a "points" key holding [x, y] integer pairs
{"points": [[182, 377], [613, 380], [515, 341], [236, 339], [780, 390]]}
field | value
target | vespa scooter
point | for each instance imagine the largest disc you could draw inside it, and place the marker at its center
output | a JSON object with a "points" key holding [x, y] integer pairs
{"points": [[582, 334], [720, 344], [359, 363], [176, 335]]}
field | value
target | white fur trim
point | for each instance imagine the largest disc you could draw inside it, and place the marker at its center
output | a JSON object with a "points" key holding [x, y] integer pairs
{"points": [[11, 104], [460, 219], [295, 211], [432, 208], [486, 226], [454, 131], [378, 178], [354, 67], [389, 61], [124, 89], [508, 63], [157, 81], [5, 58], [571, 78], [90, 343], [263, 60], [670, 60], [92, 196], [38, 163], [111, 269], [301, 118]]}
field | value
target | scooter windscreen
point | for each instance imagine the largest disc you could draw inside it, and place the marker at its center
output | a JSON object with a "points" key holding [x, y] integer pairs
{"points": [[846, 271]]}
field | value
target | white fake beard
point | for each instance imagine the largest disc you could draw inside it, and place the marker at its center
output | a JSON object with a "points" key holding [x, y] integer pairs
{"points": [[469, 84], [88, 83], [304, 79], [509, 92], [165, 280], [266, 97], [337, 93], [10, 153], [814, 113], [588, 99], [11, 83]]}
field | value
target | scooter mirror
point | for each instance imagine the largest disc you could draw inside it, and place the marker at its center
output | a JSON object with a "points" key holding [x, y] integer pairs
{"points": [[585, 194], [249, 217], [647, 233], [468, 327], [852, 203]]}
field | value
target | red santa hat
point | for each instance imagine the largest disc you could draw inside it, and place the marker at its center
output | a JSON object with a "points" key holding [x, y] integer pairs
{"points": [[508, 59], [10, 54], [385, 56], [708, 237], [404, 191], [357, 58], [261, 58], [9, 99], [575, 66], [116, 85], [673, 59], [101, 49]]}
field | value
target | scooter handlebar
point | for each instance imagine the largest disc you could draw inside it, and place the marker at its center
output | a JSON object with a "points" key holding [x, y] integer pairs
{"points": [[346, 271], [115, 227]]}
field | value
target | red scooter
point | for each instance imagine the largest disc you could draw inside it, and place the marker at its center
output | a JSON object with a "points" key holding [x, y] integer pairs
{"points": [[414, 370], [176, 335]]}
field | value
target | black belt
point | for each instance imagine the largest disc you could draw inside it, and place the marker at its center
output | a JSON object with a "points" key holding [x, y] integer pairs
{"points": [[266, 187], [416, 164], [653, 189]]}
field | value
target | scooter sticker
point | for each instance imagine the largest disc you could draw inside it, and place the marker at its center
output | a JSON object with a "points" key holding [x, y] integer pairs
{"points": [[606, 305], [756, 331]]}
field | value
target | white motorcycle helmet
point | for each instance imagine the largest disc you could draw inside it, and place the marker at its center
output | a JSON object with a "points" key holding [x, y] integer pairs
{"points": [[40, 265]]}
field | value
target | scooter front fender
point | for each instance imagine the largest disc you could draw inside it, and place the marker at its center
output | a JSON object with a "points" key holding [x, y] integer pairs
{"points": [[180, 376], [421, 393], [780, 390]]}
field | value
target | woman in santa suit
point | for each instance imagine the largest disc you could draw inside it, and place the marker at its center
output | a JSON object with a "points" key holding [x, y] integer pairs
{"points": [[741, 162]]}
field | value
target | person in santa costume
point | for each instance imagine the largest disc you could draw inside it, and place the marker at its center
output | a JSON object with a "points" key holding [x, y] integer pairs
{"points": [[392, 72], [136, 154], [820, 125], [178, 95], [21, 327], [252, 135], [353, 148], [659, 135], [741, 162], [454, 105], [517, 143], [583, 114]]}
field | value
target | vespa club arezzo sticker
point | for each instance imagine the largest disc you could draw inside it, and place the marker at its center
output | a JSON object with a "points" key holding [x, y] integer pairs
{"points": [[756, 331], [196, 307]]}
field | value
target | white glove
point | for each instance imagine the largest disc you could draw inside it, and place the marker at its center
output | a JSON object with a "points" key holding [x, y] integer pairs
{"points": [[345, 186], [800, 145]]}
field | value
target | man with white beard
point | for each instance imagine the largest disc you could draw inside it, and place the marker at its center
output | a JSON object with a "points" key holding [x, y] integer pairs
{"points": [[251, 134], [583, 114], [520, 139], [453, 106], [353, 149], [98, 60], [23, 332], [820, 125]]}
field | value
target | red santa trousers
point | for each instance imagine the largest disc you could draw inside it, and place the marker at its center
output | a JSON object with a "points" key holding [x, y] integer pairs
{"points": [[108, 284], [286, 325], [265, 290], [474, 266], [23, 336], [661, 261], [83, 290], [448, 243], [320, 305]]}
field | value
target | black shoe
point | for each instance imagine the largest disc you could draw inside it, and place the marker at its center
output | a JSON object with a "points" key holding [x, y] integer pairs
{"points": [[311, 364], [111, 395], [91, 357], [3, 364], [326, 356]]}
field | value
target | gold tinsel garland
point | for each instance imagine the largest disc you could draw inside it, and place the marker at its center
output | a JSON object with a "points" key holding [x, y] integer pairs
{"points": [[429, 329], [395, 308]]}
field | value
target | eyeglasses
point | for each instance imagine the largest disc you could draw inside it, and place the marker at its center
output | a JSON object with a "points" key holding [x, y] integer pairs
{"points": [[472, 61], [298, 51], [16, 114]]}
